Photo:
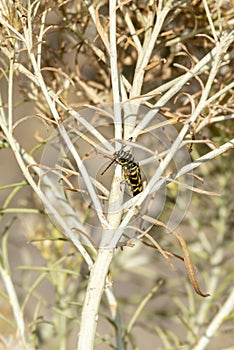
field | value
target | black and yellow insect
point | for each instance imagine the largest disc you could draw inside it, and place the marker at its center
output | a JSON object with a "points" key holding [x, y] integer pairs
{"points": [[131, 170]]}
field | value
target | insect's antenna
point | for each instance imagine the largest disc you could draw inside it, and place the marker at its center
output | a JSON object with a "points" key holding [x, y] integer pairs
{"points": [[108, 166]]}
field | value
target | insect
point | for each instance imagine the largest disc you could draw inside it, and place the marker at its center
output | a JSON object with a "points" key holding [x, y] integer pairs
{"points": [[131, 170]]}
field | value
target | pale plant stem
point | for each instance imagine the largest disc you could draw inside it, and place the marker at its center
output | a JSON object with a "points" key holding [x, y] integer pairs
{"points": [[10, 93], [220, 93], [114, 71], [224, 311], [28, 29], [14, 302], [123, 91], [88, 126], [85, 175], [92, 299], [146, 51], [208, 14], [208, 121], [131, 27], [40, 39], [91, 9], [207, 157], [6, 24], [144, 55], [115, 198]]}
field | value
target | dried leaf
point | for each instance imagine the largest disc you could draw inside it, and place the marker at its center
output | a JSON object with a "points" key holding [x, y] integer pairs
{"points": [[161, 250], [187, 261]]}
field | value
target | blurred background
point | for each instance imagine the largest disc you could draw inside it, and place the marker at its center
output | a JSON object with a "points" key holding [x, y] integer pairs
{"points": [[157, 304]]}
